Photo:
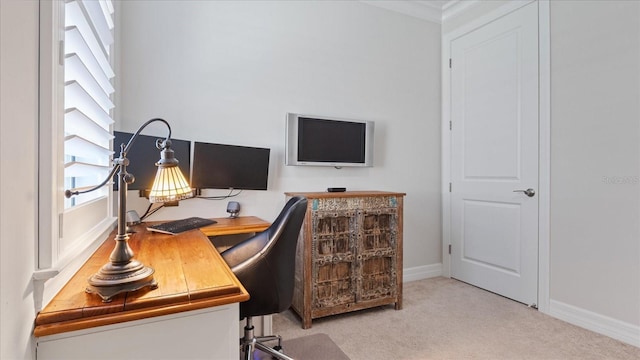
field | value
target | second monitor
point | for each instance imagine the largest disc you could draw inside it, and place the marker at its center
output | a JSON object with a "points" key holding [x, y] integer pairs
{"points": [[219, 166]]}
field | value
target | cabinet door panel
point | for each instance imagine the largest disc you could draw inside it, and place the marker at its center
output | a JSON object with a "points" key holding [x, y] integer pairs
{"points": [[377, 231], [333, 234], [333, 258], [334, 285], [376, 265], [378, 278]]}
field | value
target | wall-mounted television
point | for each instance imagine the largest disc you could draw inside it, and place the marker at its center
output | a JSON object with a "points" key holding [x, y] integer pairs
{"points": [[143, 156], [328, 141], [220, 166]]}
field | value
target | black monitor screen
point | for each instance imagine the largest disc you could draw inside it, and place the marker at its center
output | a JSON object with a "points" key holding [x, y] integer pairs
{"points": [[322, 140], [218, 166], [143, 156]]}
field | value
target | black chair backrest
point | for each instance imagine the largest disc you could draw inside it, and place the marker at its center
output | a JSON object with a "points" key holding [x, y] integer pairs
{"points": [[265, 263]]}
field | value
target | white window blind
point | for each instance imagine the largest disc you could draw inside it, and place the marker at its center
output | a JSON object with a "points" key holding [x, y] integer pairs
{"points": [[87, 97]]}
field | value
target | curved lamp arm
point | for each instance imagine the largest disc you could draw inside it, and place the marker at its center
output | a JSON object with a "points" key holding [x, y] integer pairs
{"points": [[123, 154], [159, 144]]}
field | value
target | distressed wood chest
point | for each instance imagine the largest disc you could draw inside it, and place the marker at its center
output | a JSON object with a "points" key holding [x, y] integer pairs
{"points": [[349, 254]]}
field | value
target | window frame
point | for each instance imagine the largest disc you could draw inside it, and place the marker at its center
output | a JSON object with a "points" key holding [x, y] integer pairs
{"points": [[52, 257]]}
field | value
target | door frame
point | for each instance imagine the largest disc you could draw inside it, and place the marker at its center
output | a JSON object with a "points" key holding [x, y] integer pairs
{"points": [[544, 148]]}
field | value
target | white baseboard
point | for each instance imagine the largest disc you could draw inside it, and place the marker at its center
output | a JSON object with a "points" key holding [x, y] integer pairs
{"points": [[421, 272], [619, 330]]}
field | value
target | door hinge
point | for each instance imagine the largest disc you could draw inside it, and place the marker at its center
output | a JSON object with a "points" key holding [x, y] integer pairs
{"points": [[60, 225], [61, 53], [450, 125], [449, 249], [450, 63], [450, 186]]}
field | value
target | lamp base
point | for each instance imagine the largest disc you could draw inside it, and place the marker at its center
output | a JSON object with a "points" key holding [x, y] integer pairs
{"points": [[115, 279]]}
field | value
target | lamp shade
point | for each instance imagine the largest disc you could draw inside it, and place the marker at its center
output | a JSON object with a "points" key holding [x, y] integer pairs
{"points": [[169, 185]]}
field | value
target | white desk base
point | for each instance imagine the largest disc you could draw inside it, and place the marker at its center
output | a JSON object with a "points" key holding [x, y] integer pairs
{"points": [[210, 333]]}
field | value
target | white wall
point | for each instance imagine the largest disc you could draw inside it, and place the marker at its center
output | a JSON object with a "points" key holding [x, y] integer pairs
{"points": [[18, 172], [228, 72], [595, 146]]}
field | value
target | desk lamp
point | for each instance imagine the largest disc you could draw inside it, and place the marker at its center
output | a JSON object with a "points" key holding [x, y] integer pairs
{"points": [[123, 273]]}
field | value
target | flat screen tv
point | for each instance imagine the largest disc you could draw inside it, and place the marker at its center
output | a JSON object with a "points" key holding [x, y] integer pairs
{"points": [[143, 156], [328, 141], [220, 166]]}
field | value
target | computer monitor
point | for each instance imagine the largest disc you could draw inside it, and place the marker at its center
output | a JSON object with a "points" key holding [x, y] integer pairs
{"points": [[219, 166], [143, 156]]}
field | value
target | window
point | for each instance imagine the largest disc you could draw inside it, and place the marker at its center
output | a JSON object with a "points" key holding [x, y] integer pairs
{"points": [[76, 91]]}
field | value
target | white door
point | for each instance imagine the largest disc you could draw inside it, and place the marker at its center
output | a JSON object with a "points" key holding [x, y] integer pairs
{"points": [[494, 154]]}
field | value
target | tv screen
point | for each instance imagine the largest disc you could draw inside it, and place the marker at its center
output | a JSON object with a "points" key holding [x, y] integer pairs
{"points": [[219, 166], [143, 156], [328, 141]]}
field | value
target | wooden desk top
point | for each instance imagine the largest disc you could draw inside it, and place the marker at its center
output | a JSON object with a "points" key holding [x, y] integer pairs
{"points": [[239, 225], [191, 275]]}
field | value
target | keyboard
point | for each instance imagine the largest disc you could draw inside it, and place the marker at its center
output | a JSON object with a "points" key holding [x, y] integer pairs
{"points": [[178, 226]]}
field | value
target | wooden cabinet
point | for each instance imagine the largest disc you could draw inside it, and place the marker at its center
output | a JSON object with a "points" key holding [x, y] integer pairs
{"points": [[349, 255]]}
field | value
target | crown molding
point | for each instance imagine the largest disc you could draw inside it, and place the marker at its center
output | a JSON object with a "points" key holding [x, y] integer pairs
{"points": [[437, 11], [421, 9], [454, 7]]}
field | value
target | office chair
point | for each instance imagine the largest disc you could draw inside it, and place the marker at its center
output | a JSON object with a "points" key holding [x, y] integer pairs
{"points": [[265, 265]]}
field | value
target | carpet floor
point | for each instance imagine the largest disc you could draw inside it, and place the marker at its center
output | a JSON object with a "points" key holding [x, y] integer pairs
{"points": [[446, 319]]}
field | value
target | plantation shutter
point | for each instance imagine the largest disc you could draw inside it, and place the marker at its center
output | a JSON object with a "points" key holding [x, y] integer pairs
{"points": [[87, 97], [88, 37]]}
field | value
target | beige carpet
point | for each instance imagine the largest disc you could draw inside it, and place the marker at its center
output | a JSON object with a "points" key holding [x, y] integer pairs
{"points": [[447, 319]]}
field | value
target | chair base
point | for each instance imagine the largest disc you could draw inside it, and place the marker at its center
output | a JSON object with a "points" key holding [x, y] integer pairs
{"points": [[249, 343]]}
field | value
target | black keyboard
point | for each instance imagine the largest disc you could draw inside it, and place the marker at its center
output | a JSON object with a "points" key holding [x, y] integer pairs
{"points": [[178, 226]]}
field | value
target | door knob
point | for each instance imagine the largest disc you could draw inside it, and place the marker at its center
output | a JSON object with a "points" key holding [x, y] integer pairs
{"points": [[529, 192]]}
